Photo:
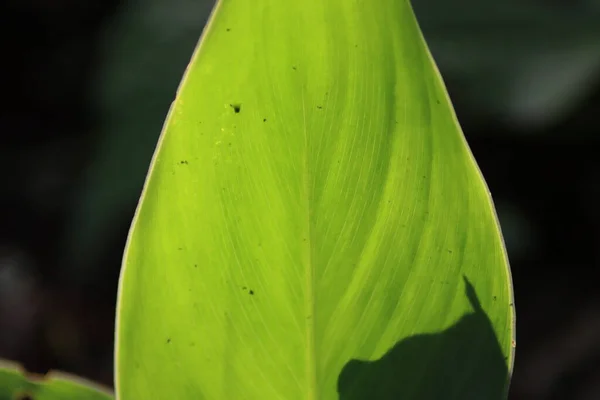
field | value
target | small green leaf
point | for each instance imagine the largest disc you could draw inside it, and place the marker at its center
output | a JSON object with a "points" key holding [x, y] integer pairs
{"points": [[313, 225], [15, 384]]}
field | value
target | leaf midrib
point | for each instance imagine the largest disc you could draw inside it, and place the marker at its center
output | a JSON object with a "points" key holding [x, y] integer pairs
{"points": [[309, 301]]}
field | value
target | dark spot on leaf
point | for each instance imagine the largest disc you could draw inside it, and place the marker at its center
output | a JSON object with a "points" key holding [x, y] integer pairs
{"points": [[244, 288], [355, 45], [236, 108], [264, 120], [168, 340], [228, 29], [195, 265], [183, 162], [294, 68], [495, 298], [229, 144], [24, 396], [510, 305], [437, 101], [319, 107], [449, 251], [180, 248], [251, 292]]}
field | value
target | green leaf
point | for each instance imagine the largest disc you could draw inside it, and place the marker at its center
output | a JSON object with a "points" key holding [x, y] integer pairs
{"points": [[16, 385], [313, 225]]}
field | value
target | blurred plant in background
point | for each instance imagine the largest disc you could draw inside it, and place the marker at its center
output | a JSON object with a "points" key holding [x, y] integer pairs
{"points": [[86, 88]]}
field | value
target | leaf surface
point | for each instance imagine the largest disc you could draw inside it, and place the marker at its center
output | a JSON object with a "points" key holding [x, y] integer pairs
{"points": [[313, 225], [15, 384]]}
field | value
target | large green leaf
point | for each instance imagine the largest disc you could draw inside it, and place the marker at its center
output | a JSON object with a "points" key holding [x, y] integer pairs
{"points": [[15, 385], [313, 225]]}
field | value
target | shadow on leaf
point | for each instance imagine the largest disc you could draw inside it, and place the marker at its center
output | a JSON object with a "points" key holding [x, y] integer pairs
{"points": [[464, 362]]}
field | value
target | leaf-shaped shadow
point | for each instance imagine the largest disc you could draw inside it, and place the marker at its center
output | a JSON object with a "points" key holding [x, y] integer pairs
{"points": [[464, 362]]}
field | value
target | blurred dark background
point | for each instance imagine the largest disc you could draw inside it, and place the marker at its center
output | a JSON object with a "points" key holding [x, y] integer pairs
{"points": [[85, 87]]}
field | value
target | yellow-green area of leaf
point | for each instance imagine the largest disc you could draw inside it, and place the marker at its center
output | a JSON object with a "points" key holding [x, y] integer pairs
{"points": [[16, 384], [313, 225]]}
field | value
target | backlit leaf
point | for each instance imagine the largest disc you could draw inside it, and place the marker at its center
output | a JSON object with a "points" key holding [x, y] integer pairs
{"points": [[313, 225]]}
